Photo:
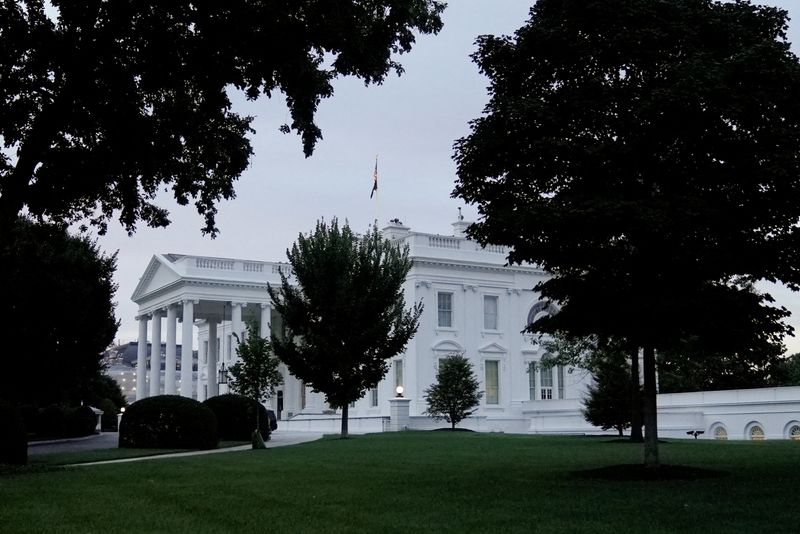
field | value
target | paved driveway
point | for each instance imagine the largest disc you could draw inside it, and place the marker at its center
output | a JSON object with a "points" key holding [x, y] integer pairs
{"points": [[110, 440]]}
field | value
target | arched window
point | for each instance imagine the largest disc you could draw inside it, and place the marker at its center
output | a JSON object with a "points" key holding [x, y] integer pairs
{"points": [[720, 433], [541, 309], [792, 430], [757, 433]]}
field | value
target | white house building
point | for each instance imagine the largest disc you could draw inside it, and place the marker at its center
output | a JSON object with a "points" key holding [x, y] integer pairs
{"points": [[475, 304]]}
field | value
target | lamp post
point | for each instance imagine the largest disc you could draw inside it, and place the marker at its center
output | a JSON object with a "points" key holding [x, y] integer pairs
{"points": [[399, 391], [222, 376]]}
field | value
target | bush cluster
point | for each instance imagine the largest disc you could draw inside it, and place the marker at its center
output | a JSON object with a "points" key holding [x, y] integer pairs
{"points": [[168, 421], [57, 421], [13, 440], [236, 417]]}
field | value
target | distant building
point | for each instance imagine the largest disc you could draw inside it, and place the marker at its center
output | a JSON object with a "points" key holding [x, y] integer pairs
{"points": [[475, 304], [121, 361]]}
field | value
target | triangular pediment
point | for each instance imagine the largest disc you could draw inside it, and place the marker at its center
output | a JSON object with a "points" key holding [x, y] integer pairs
{"points": [[159, 274], [493, 348]]}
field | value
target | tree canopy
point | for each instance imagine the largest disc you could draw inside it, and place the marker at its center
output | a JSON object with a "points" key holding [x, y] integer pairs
{"points": [[607, 403], [646, 154], [343, 312], [104, 104], [58, 313], [455, 394]]}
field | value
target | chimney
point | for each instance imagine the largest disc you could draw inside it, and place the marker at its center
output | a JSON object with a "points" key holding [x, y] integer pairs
{"points": [[460, 226], [395, 230]]}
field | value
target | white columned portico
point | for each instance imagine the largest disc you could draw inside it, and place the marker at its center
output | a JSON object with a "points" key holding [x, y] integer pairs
{"points": [[187, 342], [169, 371], [211, 370], [236, 327], [266, 317], [141, 359], [155, 355]]}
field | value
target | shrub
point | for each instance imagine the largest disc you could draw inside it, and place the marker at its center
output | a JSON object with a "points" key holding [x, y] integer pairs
{"points": [[51, 422], [168, 421], [79, 422], [13, 440], [236, 417]]}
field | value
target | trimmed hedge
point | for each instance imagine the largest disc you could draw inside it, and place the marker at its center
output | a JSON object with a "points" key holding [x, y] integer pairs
{"points": [[13, 440], [236, 417], [168, 422]]}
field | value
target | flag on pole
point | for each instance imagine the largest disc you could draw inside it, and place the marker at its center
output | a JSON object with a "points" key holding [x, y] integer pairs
{"points": [[375, 178]]}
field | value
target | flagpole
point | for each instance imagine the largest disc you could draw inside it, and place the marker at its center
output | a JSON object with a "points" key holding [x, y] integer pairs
{"points": [[377, 192]]}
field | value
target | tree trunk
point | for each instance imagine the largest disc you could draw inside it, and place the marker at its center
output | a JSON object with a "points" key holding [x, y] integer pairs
{"points": [[345, 408], [650, 412], [636, 399]]}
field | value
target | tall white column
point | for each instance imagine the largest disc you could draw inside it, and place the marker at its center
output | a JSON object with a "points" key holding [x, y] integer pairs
{"points": [[266, 317], [172, 351], [141, 359], [236, 327], [187, 342], [211, 374], [155, 355]]}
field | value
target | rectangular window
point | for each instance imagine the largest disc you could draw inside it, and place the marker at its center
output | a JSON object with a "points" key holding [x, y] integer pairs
{"points": [[302, 395], [374, 397], [492, 382], [560, 381], [205, 351], [546, 378], [490, 312], [445, 307], [230, 343], [531, 380]]}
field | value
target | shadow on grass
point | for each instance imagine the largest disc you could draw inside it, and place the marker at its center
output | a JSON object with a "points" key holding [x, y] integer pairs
{"points": [[638, 472], [452, 430]]}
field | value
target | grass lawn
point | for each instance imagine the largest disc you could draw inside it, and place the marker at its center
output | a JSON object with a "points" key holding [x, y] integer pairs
{"points": [[81, 457], [417, 482]]}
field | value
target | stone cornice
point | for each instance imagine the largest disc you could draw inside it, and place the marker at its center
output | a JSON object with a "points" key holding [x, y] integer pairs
{"points": [[474, 266]]}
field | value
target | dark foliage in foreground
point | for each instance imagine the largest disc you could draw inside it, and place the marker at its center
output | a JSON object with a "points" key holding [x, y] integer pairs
{"points": [[168, 422]]}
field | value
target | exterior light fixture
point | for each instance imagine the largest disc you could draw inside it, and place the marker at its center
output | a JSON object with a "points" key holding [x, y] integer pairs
{"points": [[122, 410], [222, 375], [399, 391]]}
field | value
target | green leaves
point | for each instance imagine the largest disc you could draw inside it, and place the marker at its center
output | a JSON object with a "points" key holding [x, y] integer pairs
{"points": [[344, 311], [455, 393], [255, 374], [106, 105]]}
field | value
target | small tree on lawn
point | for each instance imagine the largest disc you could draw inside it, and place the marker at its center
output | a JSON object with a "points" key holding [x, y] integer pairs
{"points": [[256, 373], [455, 392], [608, 402], [345, 315]]}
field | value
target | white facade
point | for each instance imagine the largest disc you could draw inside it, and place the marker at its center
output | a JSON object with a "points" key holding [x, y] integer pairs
{"points": [[474, 304]]}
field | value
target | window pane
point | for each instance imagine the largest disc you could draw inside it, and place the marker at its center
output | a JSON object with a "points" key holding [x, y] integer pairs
{"points": [[560, 381], [445, 307], [492, 382], [374, 394], [490, 312], [532, 380], [547, 377]]}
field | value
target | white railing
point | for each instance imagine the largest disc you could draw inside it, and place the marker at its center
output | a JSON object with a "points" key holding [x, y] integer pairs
{"points": [[253, 266], [214, 263], [285, 269], [436, 241], [498, 249]]}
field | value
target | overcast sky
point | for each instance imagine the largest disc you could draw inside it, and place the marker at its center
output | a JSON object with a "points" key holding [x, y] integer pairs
{"points": [[410, 122]]}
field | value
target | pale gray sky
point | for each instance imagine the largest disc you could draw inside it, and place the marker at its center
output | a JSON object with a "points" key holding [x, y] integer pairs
{"points": [[410, 122]]}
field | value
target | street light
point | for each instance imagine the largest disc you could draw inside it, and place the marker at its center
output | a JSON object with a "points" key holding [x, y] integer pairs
{"points": [[222, 375]]}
